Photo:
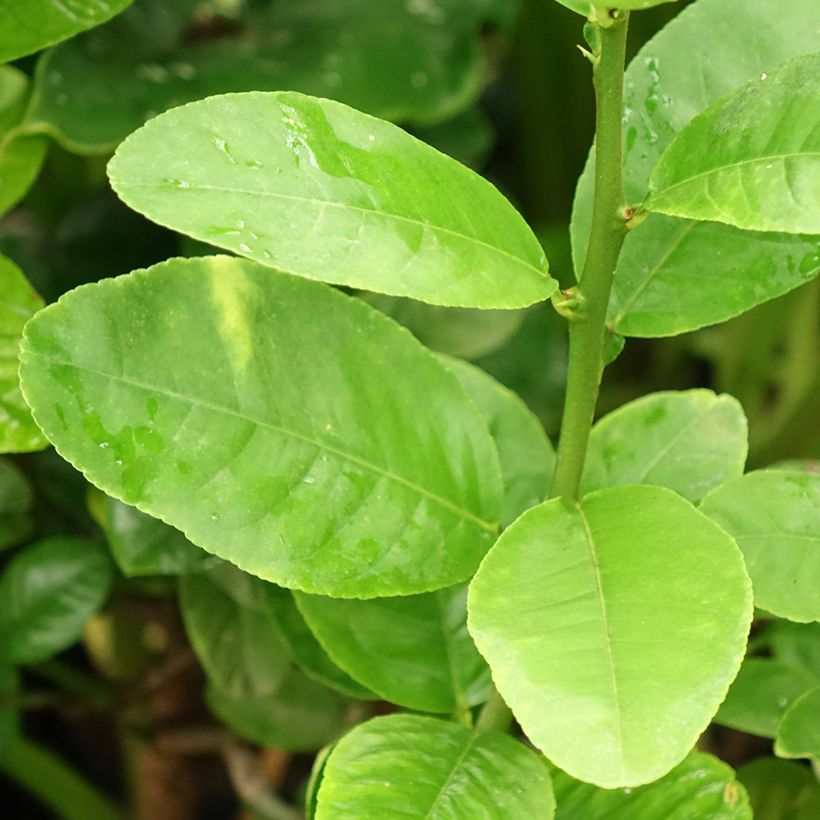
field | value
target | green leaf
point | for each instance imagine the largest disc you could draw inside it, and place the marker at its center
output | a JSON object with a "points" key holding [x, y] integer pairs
{"points": [[399, 61], [587, 7], [525, 453], [300, 715], [414, 651], [797, 645], [775, 517], [752, 159], [798, 734], [613, 629], [689, 441], [303, 647], [18, 432], [232, 631], [15, 505], [700, 787], [676, 275], [179, 388], [760, 695], [317, 189], [780, 790], [142, 545], [9, 720], [45, 22], [410, 766], [47, 594]]}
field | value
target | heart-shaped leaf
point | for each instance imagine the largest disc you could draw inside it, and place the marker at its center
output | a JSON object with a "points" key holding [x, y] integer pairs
{"points": [[178, 388], [317, 189], [613, 629]]}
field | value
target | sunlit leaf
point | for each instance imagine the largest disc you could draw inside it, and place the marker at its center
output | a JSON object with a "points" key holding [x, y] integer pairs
{"points": [[613, 629]]}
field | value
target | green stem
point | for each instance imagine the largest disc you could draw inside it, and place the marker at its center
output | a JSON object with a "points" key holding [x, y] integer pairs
{"points": [[48, 778], [586, 329], [494, 715]]}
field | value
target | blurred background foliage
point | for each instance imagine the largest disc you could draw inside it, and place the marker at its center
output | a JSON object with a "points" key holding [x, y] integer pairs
{"points": [[499, 85]]}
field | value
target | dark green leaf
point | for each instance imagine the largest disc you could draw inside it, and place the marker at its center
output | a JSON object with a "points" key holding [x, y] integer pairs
{"points": [[796, 645], [414, 651], [613, 629], [752, 159], [699, 788], [798, 734], [15, 505], [689, 441], [9, 687], [314, 188], [780, 790], [775, 518], [408, 766], [179, 388], [47, 594]]}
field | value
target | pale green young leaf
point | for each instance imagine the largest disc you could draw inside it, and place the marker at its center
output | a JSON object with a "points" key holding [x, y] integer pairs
{"points": [[303, 647], [47, 594], [18, 432], [278, 423], [781, 790], [29, 27], [698, 788], [798, 734], [774, 516], [232, 631], [412, 766], [752, 159], [676, 275], [317, 189], [587, 7], [761, 694], [414, 651], [15, 505], [689, 441], [613, 629]]}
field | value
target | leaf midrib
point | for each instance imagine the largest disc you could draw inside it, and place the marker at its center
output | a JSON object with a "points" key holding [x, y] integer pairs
{"points": [[354, 459], [449, 779]]}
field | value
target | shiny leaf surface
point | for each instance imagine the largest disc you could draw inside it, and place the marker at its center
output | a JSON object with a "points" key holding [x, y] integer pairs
{"points": [[317, 189], [613, 629], [689, 441], [410, 766], [700, 787], [752, 159], [307, 396], [47, 594], [414, 651], [798, 734], [676, 275], [775, 517], [18, 432]]}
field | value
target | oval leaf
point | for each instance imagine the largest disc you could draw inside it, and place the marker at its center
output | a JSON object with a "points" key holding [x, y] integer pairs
{"points": [[798, 734], [320, 190], [179, 388], [700, 787], [18, 432], [613, 629], [47, 594], [689, 441], [414, 651], [752, 159], [775, 517], [661, 286], [409, 766]]}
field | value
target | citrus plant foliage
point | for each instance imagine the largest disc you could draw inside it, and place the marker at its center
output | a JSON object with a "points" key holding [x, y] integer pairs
{"points": [[277, 430]]}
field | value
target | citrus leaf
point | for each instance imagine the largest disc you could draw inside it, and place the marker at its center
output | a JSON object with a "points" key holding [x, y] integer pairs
{"points": [[798, 734], [47, 594], [781, 790], [317, 189], [18, 432], [613, 629], [414, 651], [178, 388], [689, 441], [775, 517], [700, 787], [411, 766], [15, 505], [752, 159], [676, 275], [587, 7], [45, 22]]}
